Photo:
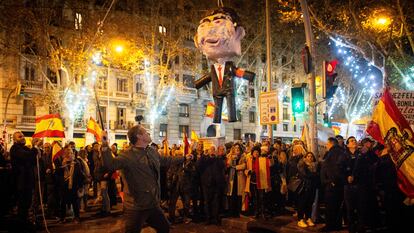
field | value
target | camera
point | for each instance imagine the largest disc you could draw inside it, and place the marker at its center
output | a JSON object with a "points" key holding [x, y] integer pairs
{"points": [[139, 118]]}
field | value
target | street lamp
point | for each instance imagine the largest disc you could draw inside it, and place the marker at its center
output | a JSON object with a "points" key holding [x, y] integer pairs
{"points": [[382, 22], [119, 48]]}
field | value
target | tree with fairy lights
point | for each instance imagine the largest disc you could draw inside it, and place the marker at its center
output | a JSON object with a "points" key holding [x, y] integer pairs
{"points": [[72, 46], [373, 40]]}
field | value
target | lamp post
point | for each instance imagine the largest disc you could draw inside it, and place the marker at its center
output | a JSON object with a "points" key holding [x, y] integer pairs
{"points": [[311, 80]]}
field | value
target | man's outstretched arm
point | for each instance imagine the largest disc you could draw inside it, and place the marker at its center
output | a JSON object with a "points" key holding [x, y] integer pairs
{"points": [[109, 161]]}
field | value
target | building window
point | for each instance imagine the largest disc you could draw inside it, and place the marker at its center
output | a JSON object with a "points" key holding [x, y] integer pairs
{"points": [[138, 87], [29, 108], [183, 129], [274, 127], [284, 60], [252, 117], [102, 83], [163, 130], [286, 116], [51, 75], [264, 128], [237, 134], [162, 29], [121, 118], [164, 112], [122, 85], [294, 128], [78, 21], [285, 127], [251, 92], [103, 114], [188, 80], [184, 110], [29, 72]]}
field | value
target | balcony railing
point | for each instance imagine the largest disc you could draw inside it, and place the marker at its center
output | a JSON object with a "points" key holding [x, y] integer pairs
{"points": [[121, 125], [34, 85], [28, 120], [122, 94]]}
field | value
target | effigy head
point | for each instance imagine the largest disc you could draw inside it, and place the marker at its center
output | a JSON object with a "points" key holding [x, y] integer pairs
{"points": [[219, 34]]}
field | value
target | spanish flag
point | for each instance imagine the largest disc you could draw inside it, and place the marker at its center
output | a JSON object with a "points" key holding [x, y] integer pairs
{"points": [[210, 111], [194, 136], [57, 150], [49, 126], [261, 167], [166, 147], [94, 128], [388, 126]]}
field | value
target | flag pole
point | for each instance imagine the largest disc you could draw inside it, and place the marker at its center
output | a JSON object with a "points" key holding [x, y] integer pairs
{"points": [[99, 109]]}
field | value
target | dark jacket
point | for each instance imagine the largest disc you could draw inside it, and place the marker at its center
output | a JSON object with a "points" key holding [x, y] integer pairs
{"points": [[23, 160], [292, 166], [212, 172], [364, 169], [331, 170], [228, 85], [310, 178], [185, 176], [140, 169], [348, 167]]}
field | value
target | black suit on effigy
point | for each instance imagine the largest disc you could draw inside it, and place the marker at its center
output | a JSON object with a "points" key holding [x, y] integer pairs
{"points": [[227, 89]]}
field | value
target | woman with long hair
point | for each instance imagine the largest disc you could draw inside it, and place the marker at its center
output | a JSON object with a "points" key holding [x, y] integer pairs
{"points": [[308, 173], [73, 180], [236, 164]]}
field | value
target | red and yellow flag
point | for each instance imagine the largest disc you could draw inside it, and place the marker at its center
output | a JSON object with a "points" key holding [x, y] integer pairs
{"points": [[57, 150], [388, 126], [194, 136], [210, 111], [186, 144], [94, 128], [49, 126], [166, 147]]}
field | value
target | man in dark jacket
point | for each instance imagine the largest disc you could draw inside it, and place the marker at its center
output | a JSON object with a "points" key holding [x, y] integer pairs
{"points": [[212, 170], [23, 162], [332, 181], [140, 166]]}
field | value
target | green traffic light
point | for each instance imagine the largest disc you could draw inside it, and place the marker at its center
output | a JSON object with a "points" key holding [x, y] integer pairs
{"points": [[298, 99]]}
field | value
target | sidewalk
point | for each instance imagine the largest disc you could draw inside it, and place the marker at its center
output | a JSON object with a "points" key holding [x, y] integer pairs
{"points": [[279, 224]]}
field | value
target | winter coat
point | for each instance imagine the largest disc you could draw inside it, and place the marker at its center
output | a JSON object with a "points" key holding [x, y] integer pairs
{"points": [[331, 170], [236, 166], [23, 162], [140, 170]]}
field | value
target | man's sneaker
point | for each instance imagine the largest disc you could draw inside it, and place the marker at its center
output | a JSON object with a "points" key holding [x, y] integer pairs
{"points": [[310, 223], [187, 220], [302, 224]]}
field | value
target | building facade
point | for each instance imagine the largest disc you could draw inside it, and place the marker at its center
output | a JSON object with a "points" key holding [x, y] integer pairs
{"points": [[123, 95]]}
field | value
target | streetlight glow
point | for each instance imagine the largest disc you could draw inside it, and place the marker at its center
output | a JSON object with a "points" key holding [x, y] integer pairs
{"points": [[383, 21], [119, 48]]}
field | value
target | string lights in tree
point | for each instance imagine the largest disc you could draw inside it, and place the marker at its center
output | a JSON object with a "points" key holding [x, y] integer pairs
{"points": [[408, 79], [355, 92]]}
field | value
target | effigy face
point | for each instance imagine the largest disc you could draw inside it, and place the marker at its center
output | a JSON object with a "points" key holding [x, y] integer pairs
{"points": [[219, 37]]}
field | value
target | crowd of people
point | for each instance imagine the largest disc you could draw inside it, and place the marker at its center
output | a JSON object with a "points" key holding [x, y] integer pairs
{"points": [[353, 184]]}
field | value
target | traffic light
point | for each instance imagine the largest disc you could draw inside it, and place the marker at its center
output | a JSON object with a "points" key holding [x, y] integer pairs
{"points": [[298, 99], [328, 79], [20, 89], [326, 121]]}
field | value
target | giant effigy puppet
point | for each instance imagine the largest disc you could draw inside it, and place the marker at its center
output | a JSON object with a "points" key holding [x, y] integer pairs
{"points": [[218, 37]]}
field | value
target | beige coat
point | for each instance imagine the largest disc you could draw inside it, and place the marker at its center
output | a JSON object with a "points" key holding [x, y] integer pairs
{"points": [[241, 176]]}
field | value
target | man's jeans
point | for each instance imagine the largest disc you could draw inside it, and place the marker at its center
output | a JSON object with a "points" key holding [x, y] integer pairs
{"points": [[134, 220], [106, 205]]}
